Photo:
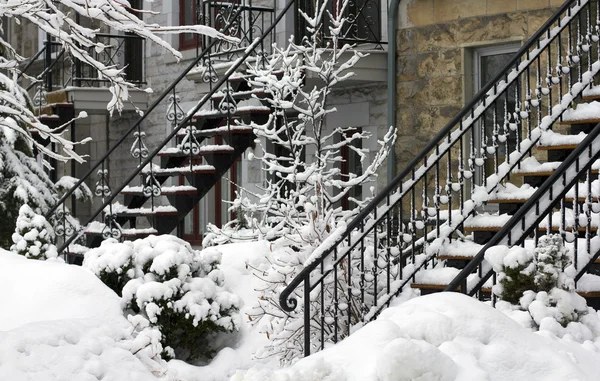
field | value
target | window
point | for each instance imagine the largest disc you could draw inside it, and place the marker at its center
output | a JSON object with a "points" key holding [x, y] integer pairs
{"points": [[187, 16]]}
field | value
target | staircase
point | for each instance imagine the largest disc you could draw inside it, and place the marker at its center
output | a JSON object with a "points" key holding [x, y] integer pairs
{"points": [[202, 146], [519, 161]]}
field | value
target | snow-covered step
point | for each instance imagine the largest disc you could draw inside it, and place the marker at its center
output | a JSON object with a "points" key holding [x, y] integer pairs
{"points": [[241, 95], [531, 167], [486, 222], [203, 150], [437, 279], [218, 131], [459, 250], [165, 190], [583, 113], [239, 111], [592, 93], [551, 140], [176, 171], [123, 211], [96, 228]]}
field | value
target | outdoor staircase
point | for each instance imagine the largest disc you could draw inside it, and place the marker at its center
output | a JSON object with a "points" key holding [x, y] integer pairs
{"points": [[202, 146], [535, 173]]}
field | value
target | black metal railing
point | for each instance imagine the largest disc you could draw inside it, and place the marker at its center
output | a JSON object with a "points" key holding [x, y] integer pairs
{"points": [[401, 231], [363, 23], [568, 189], [134, 139], [124, 51]]}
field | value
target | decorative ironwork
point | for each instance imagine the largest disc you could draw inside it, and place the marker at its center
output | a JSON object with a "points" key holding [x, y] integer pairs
{"points": [[112, 229], [151, 187], [209, 75], [102, 188], [362, 22], [139, 149], [174, 112], [39, 99], [228, 105], [63, 227], [190, 145]]}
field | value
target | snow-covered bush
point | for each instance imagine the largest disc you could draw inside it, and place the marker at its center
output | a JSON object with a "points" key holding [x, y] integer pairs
{"points": [[177, 289], [534, 288], [34, 237]]}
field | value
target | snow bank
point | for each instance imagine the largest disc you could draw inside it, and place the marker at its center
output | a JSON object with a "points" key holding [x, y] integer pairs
{"points": [[443, 337], [59, 322]]}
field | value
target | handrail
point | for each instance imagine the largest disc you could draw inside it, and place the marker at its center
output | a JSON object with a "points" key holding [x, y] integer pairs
{"points": [[154, 104], [533, 202], [34, 58], [289, 305], [182, 124], [48, 69]]}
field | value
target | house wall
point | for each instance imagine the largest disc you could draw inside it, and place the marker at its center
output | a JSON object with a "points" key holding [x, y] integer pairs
{"points": [[435, 40]]}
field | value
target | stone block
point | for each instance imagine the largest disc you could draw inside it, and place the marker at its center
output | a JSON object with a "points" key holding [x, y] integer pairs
{"points": [[434, 37], [445, 63], [446, 10], [445, 90], [420, 12], [532, 4], [501, 6], [492, 28], [536, 19]]}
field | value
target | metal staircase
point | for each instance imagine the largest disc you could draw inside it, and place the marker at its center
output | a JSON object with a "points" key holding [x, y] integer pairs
{"points": [[202, 145], [479, 182]]}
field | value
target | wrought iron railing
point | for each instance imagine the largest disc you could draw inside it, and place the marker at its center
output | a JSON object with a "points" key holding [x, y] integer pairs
{"points": [[241, 19], [363, 23], [121, 51], [401, 231], [568, 189], [134, 139]]}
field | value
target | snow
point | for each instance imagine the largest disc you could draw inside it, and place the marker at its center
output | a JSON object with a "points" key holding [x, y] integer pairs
{"points": [[63, 323], [509, 191], [583, 111], [550, 138], [445, 336]]}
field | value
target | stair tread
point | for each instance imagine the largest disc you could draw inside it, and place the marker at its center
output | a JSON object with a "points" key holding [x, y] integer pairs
{"points": [[241, 110], [165, 190], [218, 131], [551, 140], [591, 93], [532, 167], [239, 94], [583, 113], [96, 228], [462, 250], [198, 168], [122, 210], [203, 150]]}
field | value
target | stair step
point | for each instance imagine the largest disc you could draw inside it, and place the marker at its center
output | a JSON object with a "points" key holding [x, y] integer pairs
{"points": [[591, 94], [176, 171], [531, 167], [584, 113], [241, 95], [218, 131], [165, 191], [242, 110], [95, 229], [123, 211], [551, 140], [204, 150]]}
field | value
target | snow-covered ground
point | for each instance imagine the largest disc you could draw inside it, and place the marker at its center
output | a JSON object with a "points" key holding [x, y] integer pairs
{"points": [[59, 322]]}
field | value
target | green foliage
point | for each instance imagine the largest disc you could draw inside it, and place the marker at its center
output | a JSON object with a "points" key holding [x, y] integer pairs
{"points": [[176, 289], [34, 237], [516, 282]]}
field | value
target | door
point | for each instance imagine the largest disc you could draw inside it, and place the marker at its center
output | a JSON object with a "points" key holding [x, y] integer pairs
{"points": [[488, 62]]}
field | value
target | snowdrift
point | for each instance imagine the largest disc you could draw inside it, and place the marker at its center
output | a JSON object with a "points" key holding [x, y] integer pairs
{"points": [[60, 322], [443, 337]]}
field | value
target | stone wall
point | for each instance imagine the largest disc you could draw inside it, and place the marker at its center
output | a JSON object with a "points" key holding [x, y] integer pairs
{"points": [[435, 41]]}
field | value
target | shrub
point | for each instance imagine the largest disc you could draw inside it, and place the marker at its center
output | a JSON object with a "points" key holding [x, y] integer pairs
{"points": [[33, 236], [177, 289]]}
